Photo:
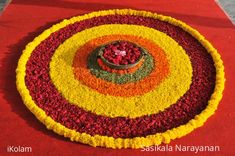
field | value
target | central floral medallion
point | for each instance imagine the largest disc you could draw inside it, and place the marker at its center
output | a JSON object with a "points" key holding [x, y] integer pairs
{"points": [[121, 54]]}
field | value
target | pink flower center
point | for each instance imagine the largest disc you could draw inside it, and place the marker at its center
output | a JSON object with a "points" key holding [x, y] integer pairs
{"points": [[120, 52]]}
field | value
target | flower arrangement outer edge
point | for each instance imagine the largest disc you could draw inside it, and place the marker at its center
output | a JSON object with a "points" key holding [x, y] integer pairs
{"points": [[110, 142]]}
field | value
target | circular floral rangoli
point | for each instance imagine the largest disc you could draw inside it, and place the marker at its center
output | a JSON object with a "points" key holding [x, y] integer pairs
{"points": [[176, 85]]}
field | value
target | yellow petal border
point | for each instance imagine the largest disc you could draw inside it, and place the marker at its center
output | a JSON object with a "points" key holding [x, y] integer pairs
{"points": [[110, 142], [177, 82]]}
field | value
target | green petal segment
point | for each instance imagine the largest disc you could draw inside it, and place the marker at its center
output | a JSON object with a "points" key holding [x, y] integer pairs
{"points": [[143, 71]]}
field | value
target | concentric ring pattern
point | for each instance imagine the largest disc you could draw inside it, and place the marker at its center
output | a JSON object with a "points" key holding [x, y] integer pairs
{"points": [[172, 91]]}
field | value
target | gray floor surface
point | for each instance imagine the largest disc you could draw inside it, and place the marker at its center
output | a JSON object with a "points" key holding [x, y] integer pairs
{"points": [[228, 6]]}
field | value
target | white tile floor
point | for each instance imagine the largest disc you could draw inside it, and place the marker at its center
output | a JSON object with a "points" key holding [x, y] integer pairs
{"points": [[228, 6]]}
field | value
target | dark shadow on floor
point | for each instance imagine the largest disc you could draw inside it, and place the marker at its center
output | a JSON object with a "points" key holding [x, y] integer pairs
{"points": [[88, 7]]}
